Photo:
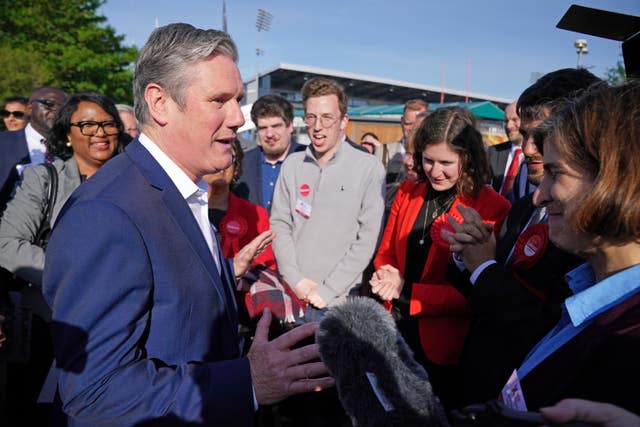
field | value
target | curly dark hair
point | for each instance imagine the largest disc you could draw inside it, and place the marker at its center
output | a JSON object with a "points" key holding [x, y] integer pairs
{"points": [[456, 127], [57, 139]]}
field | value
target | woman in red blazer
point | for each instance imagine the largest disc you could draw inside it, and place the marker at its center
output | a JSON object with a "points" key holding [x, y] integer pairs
{"points": [[432, 315]]}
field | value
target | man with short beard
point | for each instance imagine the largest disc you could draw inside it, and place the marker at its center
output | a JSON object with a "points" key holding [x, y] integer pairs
{"points": [[273, 117], [516, 285]]}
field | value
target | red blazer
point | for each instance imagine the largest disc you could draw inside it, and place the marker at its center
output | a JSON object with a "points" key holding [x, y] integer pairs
{"points": [[443, 313], [243, 222]]}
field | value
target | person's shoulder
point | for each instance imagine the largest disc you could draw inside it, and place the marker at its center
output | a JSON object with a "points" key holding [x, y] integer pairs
{"points": [[10, 137], [491, 199], [500, 147], [251, 154], [239, 203]]}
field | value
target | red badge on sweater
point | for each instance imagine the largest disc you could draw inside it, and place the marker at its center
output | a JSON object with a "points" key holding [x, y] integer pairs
{"points": [[305, 190]]}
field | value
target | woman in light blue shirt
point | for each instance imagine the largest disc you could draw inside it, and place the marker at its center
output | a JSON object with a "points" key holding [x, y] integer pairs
{"points": [[591, 189]]}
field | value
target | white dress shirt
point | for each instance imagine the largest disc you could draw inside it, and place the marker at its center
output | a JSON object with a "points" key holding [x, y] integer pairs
{"points": [[195, 195]]}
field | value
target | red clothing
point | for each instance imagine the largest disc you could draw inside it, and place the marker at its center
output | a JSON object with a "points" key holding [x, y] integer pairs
{"points": [[243, 222], [443, 313]]}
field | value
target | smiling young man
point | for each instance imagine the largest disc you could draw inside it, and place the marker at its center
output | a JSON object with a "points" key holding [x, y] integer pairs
{"points": [[327, 215], [273, 117], [328, 204], [145, 325]]}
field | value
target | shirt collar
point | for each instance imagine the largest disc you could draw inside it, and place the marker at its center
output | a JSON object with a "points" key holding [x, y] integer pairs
{"points": [[186, 187], [30, 132], [591, 298], [263, 159], [311, 153]]}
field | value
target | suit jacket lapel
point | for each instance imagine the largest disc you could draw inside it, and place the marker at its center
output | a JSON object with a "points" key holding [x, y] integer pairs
{"points": [[182, 215]]}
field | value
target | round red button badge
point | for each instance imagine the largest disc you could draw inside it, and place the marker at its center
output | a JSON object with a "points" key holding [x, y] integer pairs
{"points": [[305, 190]]}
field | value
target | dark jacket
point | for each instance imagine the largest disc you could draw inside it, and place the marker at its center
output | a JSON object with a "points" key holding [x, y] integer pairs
{"points": [[249, 186]]}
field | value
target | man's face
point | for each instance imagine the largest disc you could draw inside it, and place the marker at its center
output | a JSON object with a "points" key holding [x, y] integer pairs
{"points": [[43, 106], [11, 114], [409, 122], [199, 135], [512, 124], [325, 124], [130, 124], [533, 158], [274, 136]]}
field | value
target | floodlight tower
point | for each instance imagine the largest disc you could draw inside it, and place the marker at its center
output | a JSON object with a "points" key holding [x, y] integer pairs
{"points": [[581, 49], [263, 23]]}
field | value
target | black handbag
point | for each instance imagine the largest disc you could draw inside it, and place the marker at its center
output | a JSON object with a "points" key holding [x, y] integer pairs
{"points": [[25, 299]]}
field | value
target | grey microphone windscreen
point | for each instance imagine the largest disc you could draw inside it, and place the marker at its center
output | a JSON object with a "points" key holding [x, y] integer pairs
{"points": [[378, 381]]}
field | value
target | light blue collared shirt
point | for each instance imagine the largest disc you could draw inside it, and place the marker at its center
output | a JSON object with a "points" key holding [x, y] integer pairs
{"points": [[590, 299]]}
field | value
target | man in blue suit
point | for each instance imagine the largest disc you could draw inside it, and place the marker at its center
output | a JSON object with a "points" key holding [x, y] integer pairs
{"points": [[144, 316], [273, 117], [25, 146]]}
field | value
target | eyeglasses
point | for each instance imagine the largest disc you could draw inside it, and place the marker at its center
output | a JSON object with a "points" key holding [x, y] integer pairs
{"points": [[326, 120], [90, 128], [16, 114], [47, 103]]}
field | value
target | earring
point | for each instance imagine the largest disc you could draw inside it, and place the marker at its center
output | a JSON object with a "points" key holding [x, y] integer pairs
{"points": [[68, 144]]}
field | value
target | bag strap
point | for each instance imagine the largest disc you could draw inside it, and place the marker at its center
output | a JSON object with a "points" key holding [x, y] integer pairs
{"points": [[42, 235]]}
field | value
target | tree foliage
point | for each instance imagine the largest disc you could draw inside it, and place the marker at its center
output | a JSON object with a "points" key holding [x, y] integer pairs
{"points": [[616, 75], [63, 43]]}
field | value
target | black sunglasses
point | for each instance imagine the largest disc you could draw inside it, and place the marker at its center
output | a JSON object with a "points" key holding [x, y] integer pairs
{"points": [[16, 114], [48, 104]]}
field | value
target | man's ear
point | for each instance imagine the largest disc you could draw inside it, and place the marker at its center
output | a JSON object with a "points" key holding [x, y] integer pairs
{"points": [[158, 102]]}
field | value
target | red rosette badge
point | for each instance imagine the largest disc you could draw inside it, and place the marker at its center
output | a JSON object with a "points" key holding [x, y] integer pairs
{"points": [[441, 223], [232, 230], [530, 246]]}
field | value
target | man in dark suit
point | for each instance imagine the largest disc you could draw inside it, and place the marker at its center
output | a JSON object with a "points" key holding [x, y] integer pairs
{"points": [[145, 326], [273, 117], [517, 285], [26, 145], [506, 157]]}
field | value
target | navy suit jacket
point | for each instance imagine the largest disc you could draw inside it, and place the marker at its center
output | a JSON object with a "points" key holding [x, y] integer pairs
{"points": [[13, 151], [249, 186], [144, 328]]}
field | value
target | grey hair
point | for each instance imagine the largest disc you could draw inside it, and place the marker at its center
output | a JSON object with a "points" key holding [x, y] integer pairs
{"points": [[124, 108], [167, 56]]}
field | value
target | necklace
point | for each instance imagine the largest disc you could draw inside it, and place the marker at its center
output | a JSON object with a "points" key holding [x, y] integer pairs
{"points": [[434, 214]]}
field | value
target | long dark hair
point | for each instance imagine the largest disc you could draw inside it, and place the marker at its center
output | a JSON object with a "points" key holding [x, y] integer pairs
{"points": [[455, 127], [57, 139]]}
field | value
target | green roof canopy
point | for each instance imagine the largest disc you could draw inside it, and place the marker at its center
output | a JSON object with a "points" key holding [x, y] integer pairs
{"points": [[484, 110]]}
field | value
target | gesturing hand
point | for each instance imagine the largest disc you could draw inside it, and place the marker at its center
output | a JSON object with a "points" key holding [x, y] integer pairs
{"points": [[277, 371], [245, 256]]}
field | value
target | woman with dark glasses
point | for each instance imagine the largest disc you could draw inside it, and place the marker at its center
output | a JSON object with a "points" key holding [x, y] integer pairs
{"points": [[85, 134]]}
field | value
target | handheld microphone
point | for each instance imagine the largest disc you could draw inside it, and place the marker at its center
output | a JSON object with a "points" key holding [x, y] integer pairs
{"points": [[378, 381]]}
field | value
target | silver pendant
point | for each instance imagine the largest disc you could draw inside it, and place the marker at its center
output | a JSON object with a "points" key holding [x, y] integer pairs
{"points": [[421, 242]]}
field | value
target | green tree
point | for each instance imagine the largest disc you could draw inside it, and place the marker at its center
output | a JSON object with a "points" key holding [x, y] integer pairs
{"points": [[63, 43], [616, 75]]}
